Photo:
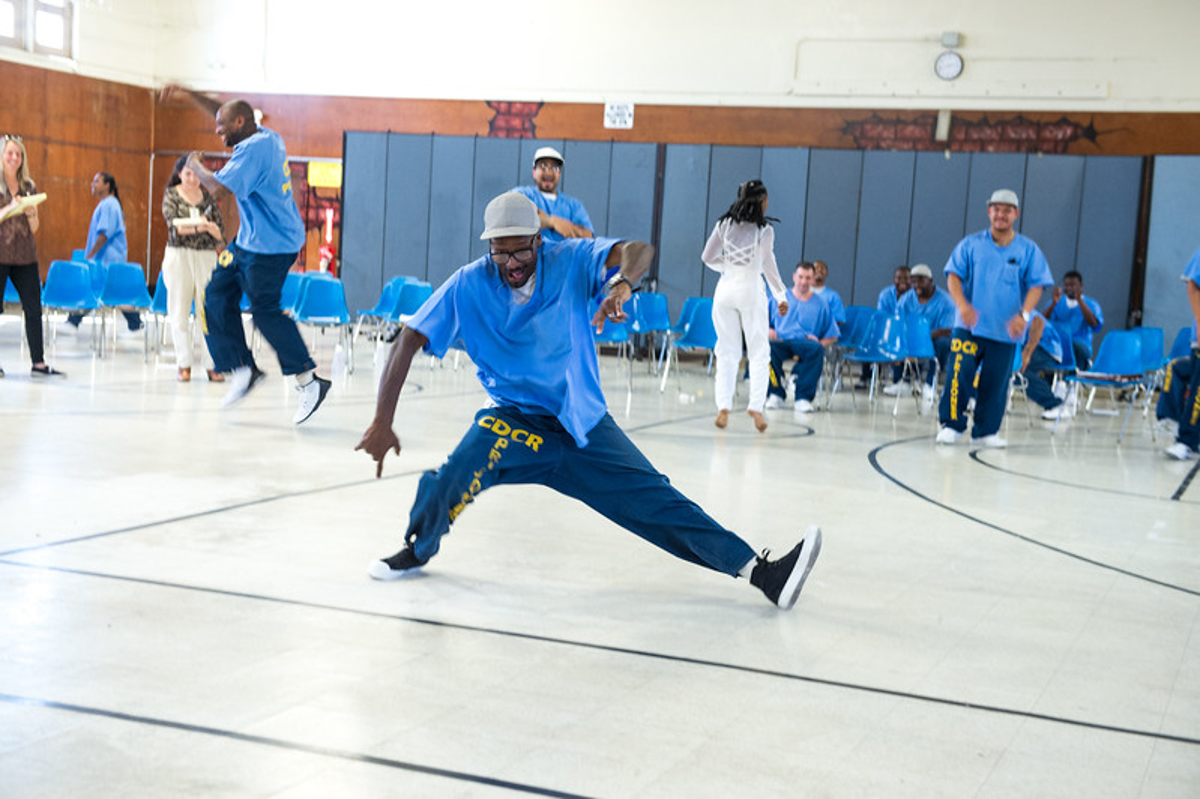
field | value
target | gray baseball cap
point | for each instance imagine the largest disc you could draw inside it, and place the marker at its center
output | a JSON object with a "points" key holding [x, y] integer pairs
{"points": [[921, 270], [1005, 197], [510, 214]]}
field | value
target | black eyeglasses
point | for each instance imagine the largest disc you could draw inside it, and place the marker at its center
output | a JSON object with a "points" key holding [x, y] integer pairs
{"points": [[520, 256]]}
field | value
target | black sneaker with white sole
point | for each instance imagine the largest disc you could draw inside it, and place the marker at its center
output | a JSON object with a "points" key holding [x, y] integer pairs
{"points": [[395, 567], [781, 580]]}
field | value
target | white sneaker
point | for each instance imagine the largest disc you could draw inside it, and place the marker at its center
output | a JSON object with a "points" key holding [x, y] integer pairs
{"points": [[948, 435], [1060, 389], [992, 442], [804, 406], [1060, 411], [312, 395], [1180, 451], [901, 389], [241, 380], [774, 402]]}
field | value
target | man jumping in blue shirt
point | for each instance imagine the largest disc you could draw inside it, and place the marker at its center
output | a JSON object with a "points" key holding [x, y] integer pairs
{"points": [[524, 315]]}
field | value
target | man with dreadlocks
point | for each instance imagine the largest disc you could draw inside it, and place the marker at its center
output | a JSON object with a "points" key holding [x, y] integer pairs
{"points": [[742, 249]]}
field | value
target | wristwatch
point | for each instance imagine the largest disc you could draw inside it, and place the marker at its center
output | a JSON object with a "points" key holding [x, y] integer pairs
{"points": [[616, 279], [1025, 315]]}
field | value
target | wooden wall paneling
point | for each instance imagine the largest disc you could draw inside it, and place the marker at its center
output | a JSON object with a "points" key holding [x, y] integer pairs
{"points": [[939, 198], [884, 219], [450, 216], [588, 177], [729, 167], [406, 235], [364, 205], [496, 171], [831, 222], [684, 217], [1054, 186], [1107, 231], [785, 173], [1174, 238]]}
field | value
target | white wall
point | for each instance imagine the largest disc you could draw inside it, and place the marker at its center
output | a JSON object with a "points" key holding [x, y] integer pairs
{"points": [[1020, 54]]}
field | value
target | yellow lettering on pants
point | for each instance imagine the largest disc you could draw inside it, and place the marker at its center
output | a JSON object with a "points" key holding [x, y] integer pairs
{"points": [[505, 431]]}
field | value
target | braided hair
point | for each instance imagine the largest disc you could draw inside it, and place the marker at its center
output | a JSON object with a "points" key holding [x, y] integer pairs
{"points": [[748, 205]]}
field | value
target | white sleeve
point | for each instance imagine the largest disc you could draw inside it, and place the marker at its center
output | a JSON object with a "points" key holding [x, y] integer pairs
{"points": [[770, 268], [712, 251]]}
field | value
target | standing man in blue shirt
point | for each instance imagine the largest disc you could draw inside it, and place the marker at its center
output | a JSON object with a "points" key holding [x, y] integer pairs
{"points": [[995, 277], [801, 334], [524, 315], [561, 216], [269, 239], [1080, 313]]}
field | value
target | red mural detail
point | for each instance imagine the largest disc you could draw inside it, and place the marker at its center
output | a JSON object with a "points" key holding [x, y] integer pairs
{"points": [[513, 120], [1015, 135]]}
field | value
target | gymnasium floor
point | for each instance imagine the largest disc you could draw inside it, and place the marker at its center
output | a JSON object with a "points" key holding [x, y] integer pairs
{"points": [[184, 607]]}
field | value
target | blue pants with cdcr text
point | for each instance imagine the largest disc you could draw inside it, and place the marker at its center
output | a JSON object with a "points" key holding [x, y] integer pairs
{"points": [[806, 373], [1180, 399], [609, 475], [261, 278], [994, 360]]}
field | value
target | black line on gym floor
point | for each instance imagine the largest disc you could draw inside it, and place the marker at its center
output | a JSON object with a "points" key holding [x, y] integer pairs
{"points": [[620, 650], [975, 456], [1191, 475], [873, 457], [278, 743]]}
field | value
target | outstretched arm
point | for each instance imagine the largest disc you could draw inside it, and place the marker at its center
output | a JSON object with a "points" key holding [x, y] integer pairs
{"points": [[380, 438], [201, 101]]}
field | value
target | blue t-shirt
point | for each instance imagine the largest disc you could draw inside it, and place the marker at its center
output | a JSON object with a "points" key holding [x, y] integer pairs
{"points": [[109, 220], [939, 310], [562, 205], [888, 302], [834, 301], [1050, 342], [1073, 318], [1192, 270], [540, 356], [259, 176], [996, 279], [803, 319]]}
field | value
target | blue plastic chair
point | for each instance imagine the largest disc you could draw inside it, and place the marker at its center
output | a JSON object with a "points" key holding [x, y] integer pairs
{"points": [[1118, 364], [322, 304], [290, 292], [700, 334], [918, 341], [10, 292], [79, 255], [653, 319], [884, 341], [411, 297], [125, 287], [68, 288], [383, 306], [1182, 345]]}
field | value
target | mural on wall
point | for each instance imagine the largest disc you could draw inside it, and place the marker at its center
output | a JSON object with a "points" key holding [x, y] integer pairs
{"points": [[1017, 134], [513, 120]]}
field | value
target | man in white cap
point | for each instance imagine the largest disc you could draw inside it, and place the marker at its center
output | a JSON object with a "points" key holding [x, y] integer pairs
{"points": [[524, 313], [995, 277], [929, 301], [561, 216]]}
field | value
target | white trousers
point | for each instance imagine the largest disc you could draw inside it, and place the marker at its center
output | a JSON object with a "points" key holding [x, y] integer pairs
{"points": [[186, 274], [740, 308]]}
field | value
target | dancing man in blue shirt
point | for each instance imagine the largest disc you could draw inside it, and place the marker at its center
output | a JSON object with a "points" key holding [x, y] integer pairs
{"points": [[995, 277], [269, 239], [524, 315]]}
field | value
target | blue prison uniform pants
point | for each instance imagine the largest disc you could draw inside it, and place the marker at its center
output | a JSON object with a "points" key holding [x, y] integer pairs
{"points": [[994, 360], [1180, 399], [609, 475], [806, 371]]}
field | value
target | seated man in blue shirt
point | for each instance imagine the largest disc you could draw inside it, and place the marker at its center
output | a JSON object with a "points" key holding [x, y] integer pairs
{"points": [[1080, 313], [1179, 404], [889, 302], [1042, 351], [931, 302], [523, 315], [831, 297], [801, 335], [561, 216]]}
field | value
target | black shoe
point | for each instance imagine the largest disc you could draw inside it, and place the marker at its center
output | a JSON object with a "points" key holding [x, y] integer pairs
{"points": [[781, 580], [396, 566], [1, 371], [46, 371]]}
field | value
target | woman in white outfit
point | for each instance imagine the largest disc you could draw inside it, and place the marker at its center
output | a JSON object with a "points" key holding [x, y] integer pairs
{"points": [[194, 236], [742, 249]]}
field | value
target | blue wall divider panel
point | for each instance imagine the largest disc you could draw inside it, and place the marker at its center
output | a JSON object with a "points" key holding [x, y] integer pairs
{"points": [[406, 238], [729, 167], [1050, 208], [883, 220], [364, 166], [831, 221], [631, 192], [450, 209], [684, 217], [785, 171], [587, 179], [1107, 233], [989, 172], [1174, 238], [496, 171], [939, 202]]}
